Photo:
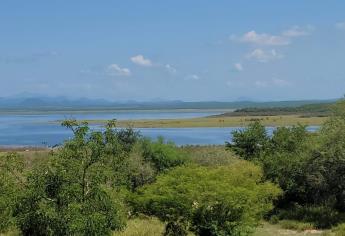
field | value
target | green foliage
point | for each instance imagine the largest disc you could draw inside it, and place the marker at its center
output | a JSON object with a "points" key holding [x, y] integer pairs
{"points": [[228, 200], [11, 183], [249, 143], [73, 193], [162, 155]]}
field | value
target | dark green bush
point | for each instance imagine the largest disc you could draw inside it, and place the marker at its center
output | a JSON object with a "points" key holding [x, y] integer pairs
{"points": [[322, 216]]}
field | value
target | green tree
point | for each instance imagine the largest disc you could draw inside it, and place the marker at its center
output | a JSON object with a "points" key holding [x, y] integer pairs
{"points": [[330, 158], [73, 193], [249, 143], [285, 162]]}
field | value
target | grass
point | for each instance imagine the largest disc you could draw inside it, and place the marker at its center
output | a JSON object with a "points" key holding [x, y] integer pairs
{"points": [[338, 230], [146, 226], [31, 156], [239, 121], [213, 155], [143, 227], [153, 227], [295, 225], [267, 229]]}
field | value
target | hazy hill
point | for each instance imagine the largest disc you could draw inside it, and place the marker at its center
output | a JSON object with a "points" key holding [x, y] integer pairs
{"points": [[61, 103]]}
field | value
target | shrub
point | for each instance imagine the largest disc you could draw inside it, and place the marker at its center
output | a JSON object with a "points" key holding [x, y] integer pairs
{"points": [[139, 172], [249, 143], [228, 200], [11, 184], [162, 155]]}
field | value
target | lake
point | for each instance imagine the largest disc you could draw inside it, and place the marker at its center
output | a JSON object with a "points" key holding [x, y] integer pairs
{"points": [[38, 130]]}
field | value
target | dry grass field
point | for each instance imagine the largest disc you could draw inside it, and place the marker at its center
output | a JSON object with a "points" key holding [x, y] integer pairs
{"points": [[238, 121]]}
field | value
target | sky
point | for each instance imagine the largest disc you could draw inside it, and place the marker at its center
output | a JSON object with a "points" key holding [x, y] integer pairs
{"points": [[195, 50]]}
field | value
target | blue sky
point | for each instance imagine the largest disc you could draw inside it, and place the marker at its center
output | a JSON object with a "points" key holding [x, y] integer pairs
{"points": [[187, 50]]}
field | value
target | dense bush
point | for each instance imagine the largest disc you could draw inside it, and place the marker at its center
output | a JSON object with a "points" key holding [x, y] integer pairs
{"points": [[228, 200], [138, 171]]}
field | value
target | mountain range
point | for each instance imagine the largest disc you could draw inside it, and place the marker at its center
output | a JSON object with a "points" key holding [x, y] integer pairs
{"points": [[34, 103]]}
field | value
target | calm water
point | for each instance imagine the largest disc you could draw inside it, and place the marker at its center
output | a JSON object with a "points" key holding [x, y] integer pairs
{"points": [[36, 130]]}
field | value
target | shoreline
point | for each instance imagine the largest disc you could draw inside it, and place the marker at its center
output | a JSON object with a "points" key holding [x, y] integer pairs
{"points": [[122, 110]]}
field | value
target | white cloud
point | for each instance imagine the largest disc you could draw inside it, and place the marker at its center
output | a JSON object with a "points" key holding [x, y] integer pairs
{"points": [[264, 55], [192, 77], [264, 39], [115, 70], [141, 61], [297, 31], [340, 25], [238, 66], [170, 68]]}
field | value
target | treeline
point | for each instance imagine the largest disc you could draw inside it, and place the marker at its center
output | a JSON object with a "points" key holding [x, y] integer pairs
{"points": [[309, 110], [308, 167]]}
